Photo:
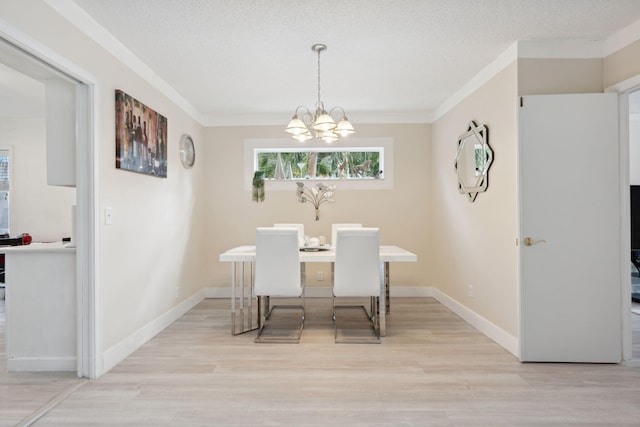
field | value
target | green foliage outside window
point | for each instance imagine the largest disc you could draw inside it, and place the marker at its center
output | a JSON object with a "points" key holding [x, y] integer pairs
{"points": [[291, 165]]}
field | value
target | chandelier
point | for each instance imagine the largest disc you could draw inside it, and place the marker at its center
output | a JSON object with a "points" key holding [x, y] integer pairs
{"points": [[305, 126]]}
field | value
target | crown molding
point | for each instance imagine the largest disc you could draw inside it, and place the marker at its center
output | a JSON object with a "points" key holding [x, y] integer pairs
{"points": [[622, 38], [569, 48], [280, 119], [96, 32], [488, 72]]}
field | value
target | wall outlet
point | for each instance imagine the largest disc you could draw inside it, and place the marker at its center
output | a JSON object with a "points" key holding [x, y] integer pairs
{"points": [[320, 276], [470, 291]]}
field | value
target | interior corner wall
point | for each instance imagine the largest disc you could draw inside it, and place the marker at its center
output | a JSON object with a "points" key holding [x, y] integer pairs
{"points": [[474, 244], [622, 65], [151, 260], [401, 213]]}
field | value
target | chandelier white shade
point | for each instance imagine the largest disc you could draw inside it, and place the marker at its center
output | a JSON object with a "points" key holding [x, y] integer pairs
{"points": [[305, 126]]}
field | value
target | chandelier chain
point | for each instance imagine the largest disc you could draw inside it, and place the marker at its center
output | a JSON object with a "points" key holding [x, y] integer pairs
{"points": [[318, 105]]}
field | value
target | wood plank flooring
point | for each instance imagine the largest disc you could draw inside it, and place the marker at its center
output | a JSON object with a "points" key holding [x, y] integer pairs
{"points": [[432, 369]]}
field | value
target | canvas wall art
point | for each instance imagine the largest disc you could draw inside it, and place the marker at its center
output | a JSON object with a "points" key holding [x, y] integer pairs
{"points": [[141, 137]]}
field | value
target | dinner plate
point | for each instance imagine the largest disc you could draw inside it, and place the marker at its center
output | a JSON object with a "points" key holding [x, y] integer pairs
{"points": [[315, 248]]}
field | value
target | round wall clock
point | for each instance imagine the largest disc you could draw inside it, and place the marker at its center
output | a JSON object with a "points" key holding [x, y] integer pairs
{"points": [[187, 151]]}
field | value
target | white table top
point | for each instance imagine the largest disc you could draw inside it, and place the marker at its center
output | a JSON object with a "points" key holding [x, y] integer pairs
{"points": [[37, 247], [387, 254]]}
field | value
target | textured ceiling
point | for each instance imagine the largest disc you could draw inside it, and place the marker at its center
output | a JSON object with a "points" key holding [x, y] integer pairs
{"points": [[237, 58]]}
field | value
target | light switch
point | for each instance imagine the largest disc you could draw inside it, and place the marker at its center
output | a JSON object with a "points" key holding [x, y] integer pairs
{"points": [[108, 216]]}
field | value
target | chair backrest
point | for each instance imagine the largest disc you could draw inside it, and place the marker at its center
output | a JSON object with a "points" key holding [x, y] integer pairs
{"points": [[299, 227], [334, 228], [277, 262], [357, 265]]}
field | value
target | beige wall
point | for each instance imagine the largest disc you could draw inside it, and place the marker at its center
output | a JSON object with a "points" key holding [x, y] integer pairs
{"points": [[557, 76], [474, 243], [622, 65], [400, 213], [168, 233], [152, 257], [35, 207], [618, 67]]}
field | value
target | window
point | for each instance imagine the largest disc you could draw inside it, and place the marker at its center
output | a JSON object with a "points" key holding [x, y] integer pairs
{"points": [[4, 191], [357, 174], [320, 163]]}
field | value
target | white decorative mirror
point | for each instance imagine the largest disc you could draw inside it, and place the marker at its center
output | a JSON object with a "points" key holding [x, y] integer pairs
{"points": [[473, 161]]}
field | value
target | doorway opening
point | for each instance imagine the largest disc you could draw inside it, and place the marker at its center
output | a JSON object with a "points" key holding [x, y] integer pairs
{"points": [[634, 181], [26, 59]]}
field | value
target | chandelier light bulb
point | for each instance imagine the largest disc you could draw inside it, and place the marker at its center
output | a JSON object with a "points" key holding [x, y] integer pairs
{"points": [[303, 137], [303, 126], [328, 136], [324, 122], [344, 127]]}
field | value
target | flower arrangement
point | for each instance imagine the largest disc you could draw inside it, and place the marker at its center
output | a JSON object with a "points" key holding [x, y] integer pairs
{"points": [[317, 195]]}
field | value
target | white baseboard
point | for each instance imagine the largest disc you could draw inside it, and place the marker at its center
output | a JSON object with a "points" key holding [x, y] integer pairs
{"points": [[41, 364], [215, 292], [126, 347], [500, 336], [120, 351], [411, 292], [495, 333], [325, 292]]}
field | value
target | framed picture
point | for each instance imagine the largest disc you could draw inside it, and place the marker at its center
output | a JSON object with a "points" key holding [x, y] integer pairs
{"points": [[141, 137]]}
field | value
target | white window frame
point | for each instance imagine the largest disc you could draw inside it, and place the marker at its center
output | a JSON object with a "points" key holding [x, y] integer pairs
{"points": [[350, 144], [8, 152]]}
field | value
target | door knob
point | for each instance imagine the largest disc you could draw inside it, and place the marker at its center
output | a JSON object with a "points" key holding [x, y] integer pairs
{"points": [[528, 241]]}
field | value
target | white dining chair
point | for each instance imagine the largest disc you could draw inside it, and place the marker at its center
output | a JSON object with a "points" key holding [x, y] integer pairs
{"points": [[334, 230], [358, 273], [299, 227], [278, 273], [335, 227]]}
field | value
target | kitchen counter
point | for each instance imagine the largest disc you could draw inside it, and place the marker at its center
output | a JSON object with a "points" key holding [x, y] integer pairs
{"points": [[40, 293]]}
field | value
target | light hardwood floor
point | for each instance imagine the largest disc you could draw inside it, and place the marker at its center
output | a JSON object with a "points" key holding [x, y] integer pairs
{"points": [[431, 369]]}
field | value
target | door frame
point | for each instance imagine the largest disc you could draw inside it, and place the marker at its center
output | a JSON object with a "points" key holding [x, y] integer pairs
{"points": [[88, 338], [623, 89]]}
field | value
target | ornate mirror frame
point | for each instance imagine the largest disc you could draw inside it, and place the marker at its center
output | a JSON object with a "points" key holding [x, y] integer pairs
{"points": [[473, 161]]}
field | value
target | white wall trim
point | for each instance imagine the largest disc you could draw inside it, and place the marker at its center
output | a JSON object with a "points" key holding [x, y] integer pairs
{"points": [[96, 32], [487, 73], [566, 48], [627, 85], [500, 336], [623, 89], [495, 333], [386, 143], [280, 119], [86, 160], [325, 292], [127, 346], [625, 228], [622, 38], [217, 292], [41, 364]]}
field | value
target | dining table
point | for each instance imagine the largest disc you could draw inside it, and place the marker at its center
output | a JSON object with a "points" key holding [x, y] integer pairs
{"points": [[244, 302]]}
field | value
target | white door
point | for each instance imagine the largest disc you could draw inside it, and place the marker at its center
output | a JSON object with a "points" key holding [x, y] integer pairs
{"points": [[570, 273]]}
